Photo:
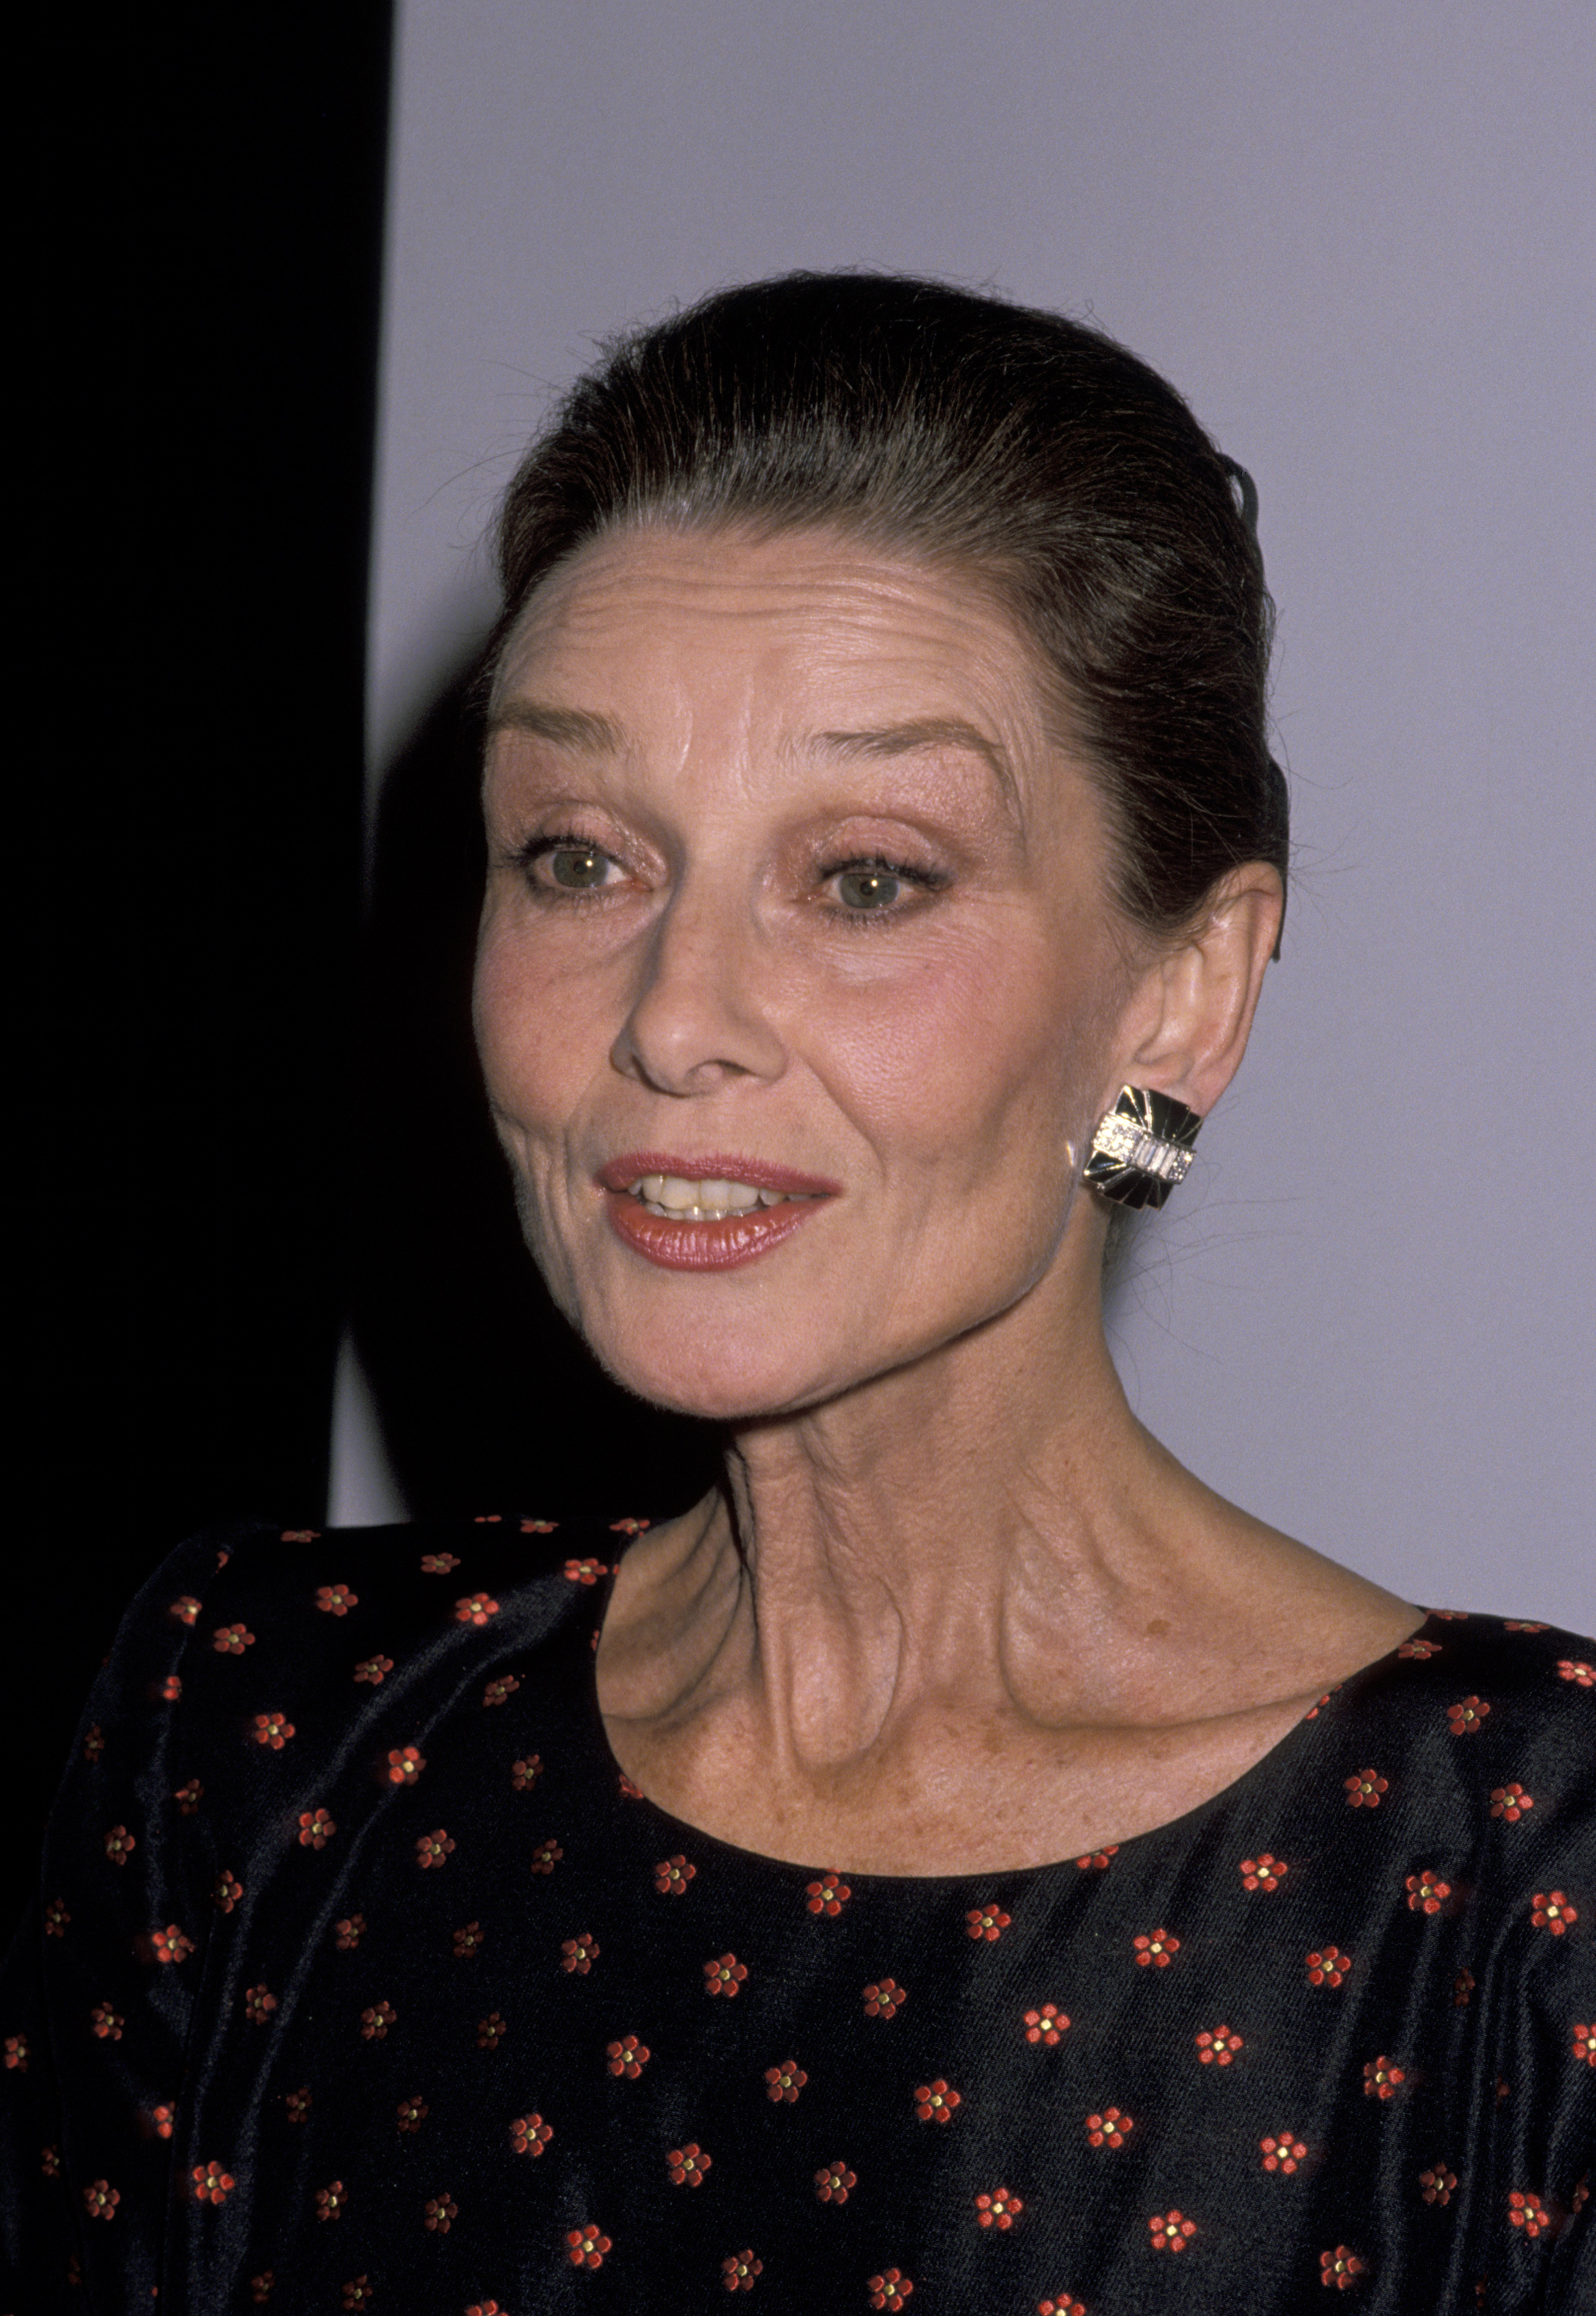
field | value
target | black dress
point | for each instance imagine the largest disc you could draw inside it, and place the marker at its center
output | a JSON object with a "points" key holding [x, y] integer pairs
{"points": [[364, 1979]]}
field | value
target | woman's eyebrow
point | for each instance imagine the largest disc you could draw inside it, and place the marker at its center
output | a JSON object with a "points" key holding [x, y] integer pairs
{"points": [[930, 732], [577, 728]]}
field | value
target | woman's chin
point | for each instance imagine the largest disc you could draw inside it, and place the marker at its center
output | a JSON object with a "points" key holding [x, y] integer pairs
{"points": [[720, 1382]]}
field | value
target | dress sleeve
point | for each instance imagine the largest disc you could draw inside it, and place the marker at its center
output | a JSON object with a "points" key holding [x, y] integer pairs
{"points": [[97, 1993]]}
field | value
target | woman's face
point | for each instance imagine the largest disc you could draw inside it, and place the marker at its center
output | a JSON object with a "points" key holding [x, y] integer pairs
{"points": [[798, 985]]}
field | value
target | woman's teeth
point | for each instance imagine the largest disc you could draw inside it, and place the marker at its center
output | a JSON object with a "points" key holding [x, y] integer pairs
{"points": [[699, 1202]]}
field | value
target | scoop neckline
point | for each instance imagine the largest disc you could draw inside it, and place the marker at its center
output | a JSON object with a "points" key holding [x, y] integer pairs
{"points": [[1305, 1730]]}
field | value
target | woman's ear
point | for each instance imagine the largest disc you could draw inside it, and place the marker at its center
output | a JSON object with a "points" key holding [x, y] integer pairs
{"points": [[1203, 995]]}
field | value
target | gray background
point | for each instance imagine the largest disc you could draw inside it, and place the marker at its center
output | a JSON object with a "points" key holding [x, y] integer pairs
{"points": [[1358, 239]]}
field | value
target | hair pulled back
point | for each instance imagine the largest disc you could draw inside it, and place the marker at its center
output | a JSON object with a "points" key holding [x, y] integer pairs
{"points": [[1032, 449]]}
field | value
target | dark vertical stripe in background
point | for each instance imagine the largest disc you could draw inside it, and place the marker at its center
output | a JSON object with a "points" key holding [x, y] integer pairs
{"points": [[200, 334]]}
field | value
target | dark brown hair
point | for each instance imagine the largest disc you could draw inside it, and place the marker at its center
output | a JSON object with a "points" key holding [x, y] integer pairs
{"points": [[1032, 449]]}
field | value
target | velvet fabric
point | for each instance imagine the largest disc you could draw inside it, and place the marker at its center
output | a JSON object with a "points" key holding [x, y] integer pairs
{"points": [[363, 1978]]}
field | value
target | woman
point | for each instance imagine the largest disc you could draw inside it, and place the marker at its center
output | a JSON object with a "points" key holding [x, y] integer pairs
{"points": [[964, 1861]]}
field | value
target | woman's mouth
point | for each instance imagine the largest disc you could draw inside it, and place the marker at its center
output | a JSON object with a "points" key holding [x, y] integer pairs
{"points": [[709, 1216]]}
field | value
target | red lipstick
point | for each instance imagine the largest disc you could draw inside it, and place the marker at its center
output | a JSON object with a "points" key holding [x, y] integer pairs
{"points": [[675, 1242]]}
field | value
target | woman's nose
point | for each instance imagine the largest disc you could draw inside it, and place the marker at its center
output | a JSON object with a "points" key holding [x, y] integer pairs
{"points": [[700, 1010]]}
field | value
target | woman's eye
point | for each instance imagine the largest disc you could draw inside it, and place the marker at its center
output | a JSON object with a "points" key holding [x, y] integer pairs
{"points": [[876, 888], [573, 867], [868, 888]]}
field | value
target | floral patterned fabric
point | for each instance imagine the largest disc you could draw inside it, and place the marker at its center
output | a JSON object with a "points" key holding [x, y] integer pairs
{"points": [[362, 1978]]}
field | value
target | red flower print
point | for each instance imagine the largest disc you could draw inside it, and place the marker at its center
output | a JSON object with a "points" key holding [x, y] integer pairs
{"points": [[627, 2057], [261, 2287], [50, 2162], [119, 1844], [225, 1891], [106, 2022], [337, 1599], [273, 1729], [538, 1528], [469, 1940], [1364, 1790], [1381, 2078], [1575, 1668], [374, 1669], [1049, 2024], [437, 1564], [170, 1689], [672, 1876], [586, 2247], [329, 2201], [1171, 2232], [632, 1792], [1503, 2090], [1585, 2044], [185, 1610], [491, 2032], [474, 1608], [1462, 1989], [100, 2199], [441, 2211], [1422, 1650], [524, 1774], [739, 2269], [212, 2184], [1283, 2151], [163, 2120], [1264, 1873], [170, 1945], [1096, 1860], [56, 1919], [350, 1931], [94, 1742], [433, 1848], [724, 1976], [783, 2083], [500, 1691], [629, 1527], [579, 1953], [358, 2292], [405, 1764], [1529, 2214], [1426, 1894], [835, 2184], [1340, 2267], [1552, 1912], [998, 2210], [585, 1572], [16, 2053], [935, 2102], [889, 2289], [376, 2021], [1469, 1716], [232, 1640], [488, 1520], [529, 2134], [987, 1922], [1510, 1802], [1328, 1968], [688, 2165], [411, 2114], [546, 1857], [1450, 1616], [1109, 2129], [1437, 2184], [1518, 1625], [829, 1895], [1059, 2304], [1159, 1949], [289, 1536], [884, 1999], [259, 2003], [316, 1829], [1218, 2049], [298, 2104]]}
